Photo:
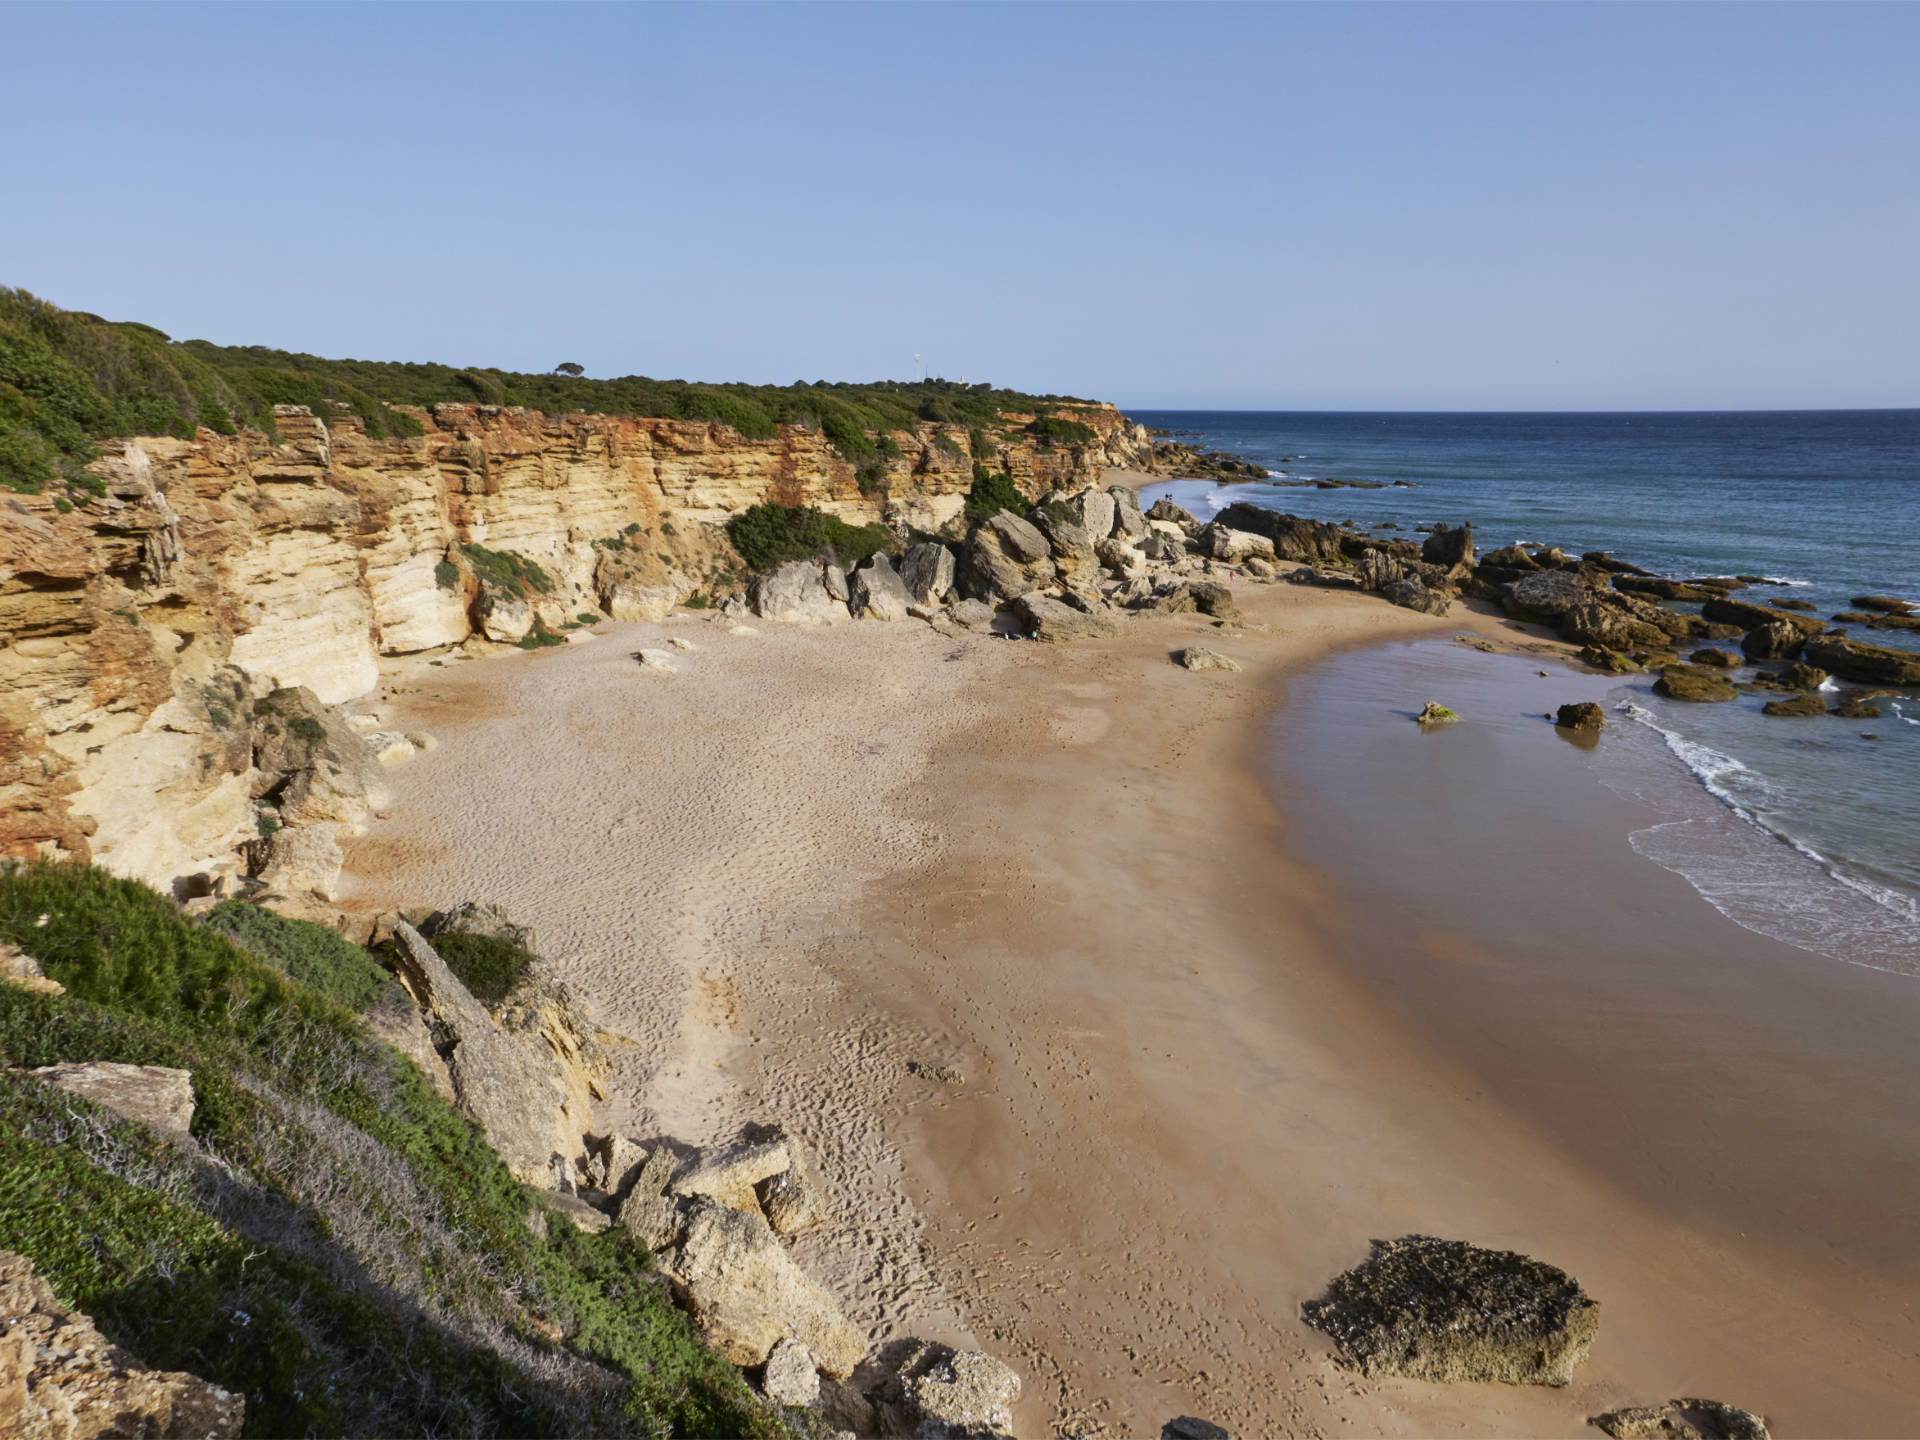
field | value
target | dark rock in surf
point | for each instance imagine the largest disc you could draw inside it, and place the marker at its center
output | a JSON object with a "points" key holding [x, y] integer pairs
{"points": [[1806, 703], [1775, 640], [1585, 715], [1717, 659], [1750, 616], [1801, 676], [1611, 661], [1409, 594], [1684, 682], [1863, 664]]}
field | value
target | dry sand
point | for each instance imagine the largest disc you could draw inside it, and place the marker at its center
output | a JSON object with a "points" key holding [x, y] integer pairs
{"points": [[814, 855]]}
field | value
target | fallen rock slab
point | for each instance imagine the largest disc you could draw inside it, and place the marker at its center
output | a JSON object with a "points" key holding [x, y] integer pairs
{"points": [[939, 1393], [1446, 1310], [154, 1095], [746, 1295]]}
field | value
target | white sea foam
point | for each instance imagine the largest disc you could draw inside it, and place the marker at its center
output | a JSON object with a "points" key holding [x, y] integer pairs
{"points": [[1742, 883]]}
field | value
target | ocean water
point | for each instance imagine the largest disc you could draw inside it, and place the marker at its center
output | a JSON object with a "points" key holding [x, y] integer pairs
{"points": [[1813, 835]]}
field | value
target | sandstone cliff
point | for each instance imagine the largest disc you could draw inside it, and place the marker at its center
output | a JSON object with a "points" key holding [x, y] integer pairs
{"points": [[135, 630]]}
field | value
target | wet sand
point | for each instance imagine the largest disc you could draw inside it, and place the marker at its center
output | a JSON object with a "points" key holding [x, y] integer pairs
{"points": [[1193, 1086]]}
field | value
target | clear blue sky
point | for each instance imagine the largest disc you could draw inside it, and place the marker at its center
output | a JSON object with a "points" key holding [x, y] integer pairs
{"points": [[1365, 206]]}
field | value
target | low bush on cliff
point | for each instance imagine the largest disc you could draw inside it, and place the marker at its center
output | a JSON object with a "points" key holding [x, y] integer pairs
{"points": [[488, 966], [341, 1246], [68, 378], [769, 535], [991, 492], [320, 959], [1050, 431], [507, 571]]}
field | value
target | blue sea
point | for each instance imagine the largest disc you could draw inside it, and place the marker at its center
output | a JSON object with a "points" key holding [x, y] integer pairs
{"points": [[1822, 841]]}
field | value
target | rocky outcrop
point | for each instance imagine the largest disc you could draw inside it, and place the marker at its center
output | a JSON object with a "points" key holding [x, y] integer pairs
{"points": [[1445, 1310], [61, 1379]]}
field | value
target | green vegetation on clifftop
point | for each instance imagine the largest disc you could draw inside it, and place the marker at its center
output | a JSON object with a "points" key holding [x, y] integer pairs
{"points": [[338, 1244], [68, 378]]}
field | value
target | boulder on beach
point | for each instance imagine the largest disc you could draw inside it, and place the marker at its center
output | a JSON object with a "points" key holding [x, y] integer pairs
{"points": [[1433, 1309], [1434, 713], [795, 591], [1211, 597], [1684, 1419], [1195, 658], [1053, 621], [1582, 715], [927, 572], [1447, 548], [1715, 659], [939, 1393], [1409, 594], [878, 592], [1547, 596]]}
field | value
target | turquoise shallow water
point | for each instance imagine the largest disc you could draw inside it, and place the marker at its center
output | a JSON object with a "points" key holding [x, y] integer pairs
{"points": [[1827, 500]]}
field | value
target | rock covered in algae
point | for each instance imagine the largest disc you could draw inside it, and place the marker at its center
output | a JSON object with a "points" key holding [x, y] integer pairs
{"points": [[1434, 713], [1434, 1309]]}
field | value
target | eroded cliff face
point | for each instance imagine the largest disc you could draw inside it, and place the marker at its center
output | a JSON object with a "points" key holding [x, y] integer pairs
{"points": [[132, 630]]}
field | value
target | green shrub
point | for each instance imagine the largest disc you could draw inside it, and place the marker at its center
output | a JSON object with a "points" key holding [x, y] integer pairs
{"points": [[770, 534], [320, 959], [991, 492], [488, 966], [446, 575], [510, 572], [1050, 430], [539, 637]]}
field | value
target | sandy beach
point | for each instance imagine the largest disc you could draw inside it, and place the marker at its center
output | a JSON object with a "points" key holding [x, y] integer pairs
{"points": [[1189, 1091]]}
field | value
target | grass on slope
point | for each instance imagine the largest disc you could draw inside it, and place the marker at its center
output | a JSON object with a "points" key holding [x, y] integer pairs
{"points": [[340, 1246], [68, 378]]}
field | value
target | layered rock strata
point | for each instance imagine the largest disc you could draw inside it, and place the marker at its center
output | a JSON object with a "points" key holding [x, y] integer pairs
{"points": [[135, 629]]}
